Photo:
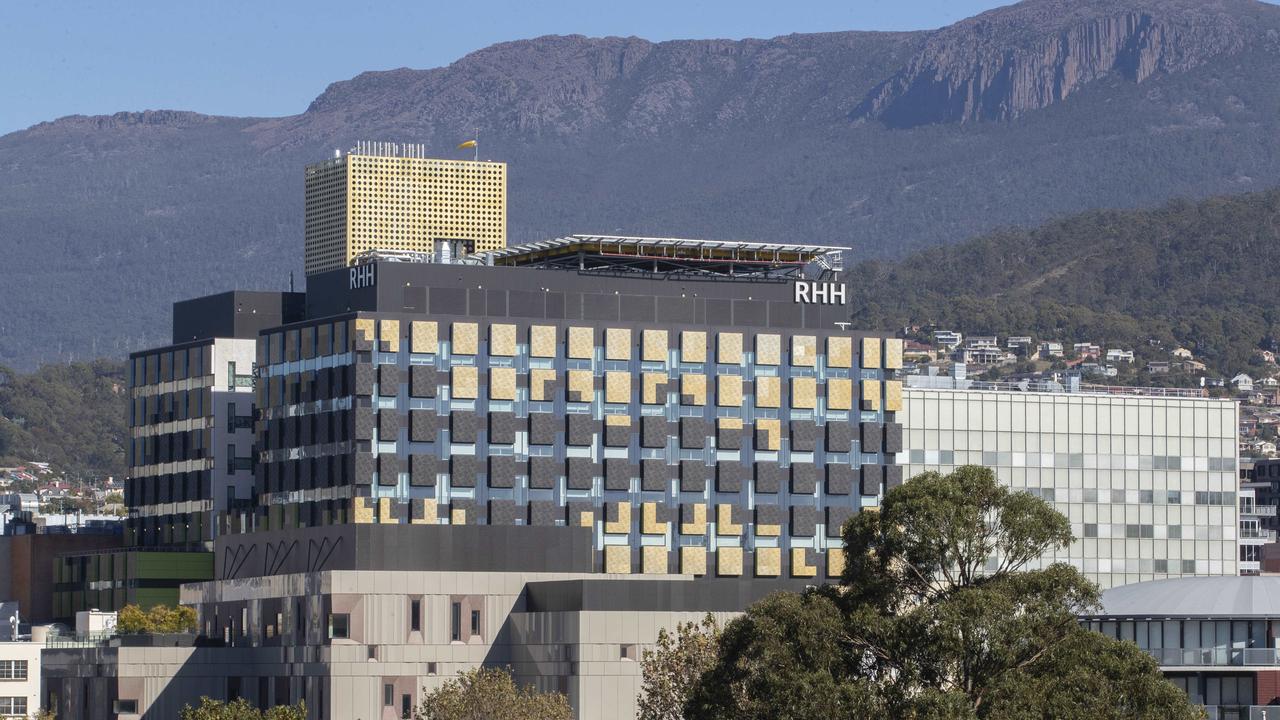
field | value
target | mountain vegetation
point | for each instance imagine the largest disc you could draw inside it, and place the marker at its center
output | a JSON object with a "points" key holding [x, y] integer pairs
{"points": [[1195, 274], [885, 143], [72, 416]]}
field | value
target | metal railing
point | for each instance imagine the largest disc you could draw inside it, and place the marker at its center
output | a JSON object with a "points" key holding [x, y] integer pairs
{"points": [[1242, 712], [1257, 534], [1215, 657], [1258, 510]]}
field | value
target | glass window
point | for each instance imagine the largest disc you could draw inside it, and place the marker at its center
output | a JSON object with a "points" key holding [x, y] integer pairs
{"points": [[13, 706], [475, 622], [455, 622], [1091, 530], [415, 615], [339, 625], [388, 694], [13, 669]]}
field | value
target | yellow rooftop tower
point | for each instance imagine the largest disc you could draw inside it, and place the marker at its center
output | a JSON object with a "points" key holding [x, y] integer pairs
{"points": [[388, 196]]}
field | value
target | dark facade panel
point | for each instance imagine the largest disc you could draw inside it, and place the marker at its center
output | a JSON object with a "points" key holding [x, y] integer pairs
{"points": [[892, 477], [836, 517], [805, 435], [503, 470], [543, 428], [804, 478], [618, 473], [423, 470], [388, 425], [545, 512], [502, 428], [581, 473], [872, 437], [840, 479], [424, 425], [804, 521], [694, 475], [693, 433], [839, 436], [388, 380], [769, 477], [580, 429], [388, 469], [729, 438], [729, 476], [893, 438], [422, 381], [544, 472], [654, 431], [872, 479], [505, 512], [617, 435], [463, 470], [655, 475]]}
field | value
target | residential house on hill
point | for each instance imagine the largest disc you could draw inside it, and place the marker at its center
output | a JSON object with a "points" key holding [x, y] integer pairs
{"points": [[1243, 383], [1116, 355]]}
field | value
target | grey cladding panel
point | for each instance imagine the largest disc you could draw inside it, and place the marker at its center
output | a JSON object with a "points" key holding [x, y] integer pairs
{"points": [[654, 431], [545, 512], [840, 480], [769, 477], [464, 427], [804, 435], [839, 436], [505, 512], [388, 380], [872, 479], [388, 469], [618, 473], [388, 425], [729, 438], [581, 472], [655, 475], [617, 435], [694, 475], [364, 379], [892, 477], [580, 429], [423, 470], [836, 518], [463, 470], [770, 515], [503, 470], [893, 437], [364, 423], [804, 521], [872, 437], [502, 428], [423, 425], [544, 472], [365, 465], [804, 478], [543, 428], [422, 381], [693, 433], [729, 476]]}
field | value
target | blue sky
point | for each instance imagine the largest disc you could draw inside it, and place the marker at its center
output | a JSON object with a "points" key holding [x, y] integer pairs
{"points": [[272, 57]]}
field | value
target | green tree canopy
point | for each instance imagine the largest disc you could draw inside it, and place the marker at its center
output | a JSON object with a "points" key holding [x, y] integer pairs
{"points": [[937, 616], [491, 694], [158, 619], [241, 709]]}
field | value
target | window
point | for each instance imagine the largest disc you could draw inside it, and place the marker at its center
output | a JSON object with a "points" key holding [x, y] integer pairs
{"points": [[13, 706], [1091, 530], [13, 669], [415, 616], [475, 622], [339, 625], [125, 707], [231, 459], [455, 622], [406, 706], [388, 694]]}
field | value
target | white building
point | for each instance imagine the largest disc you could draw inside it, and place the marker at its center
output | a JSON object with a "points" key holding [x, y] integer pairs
{"points": [[20, 678], [1116, 355], [1050, 349], [1243, 382], [1148, 482], [947, 339]]}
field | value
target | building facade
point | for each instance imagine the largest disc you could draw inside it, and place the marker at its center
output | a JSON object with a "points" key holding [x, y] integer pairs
{"points": [[1148, 482], [19, 677], [383, 196]]}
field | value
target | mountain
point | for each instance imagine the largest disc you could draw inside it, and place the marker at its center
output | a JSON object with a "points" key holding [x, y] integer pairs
{"points": [[882, 142], [1191, 274]]}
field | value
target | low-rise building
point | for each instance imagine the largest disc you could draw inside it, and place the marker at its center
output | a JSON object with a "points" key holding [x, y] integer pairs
{"points": [[948, 340], [1117, 355], [1050, 349], [19, 675], [1243, 383]]}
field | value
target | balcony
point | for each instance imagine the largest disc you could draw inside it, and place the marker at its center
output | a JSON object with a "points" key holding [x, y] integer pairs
{"points": [[1215, 657], [1258, 534], [1258, 510], [241, 381]]}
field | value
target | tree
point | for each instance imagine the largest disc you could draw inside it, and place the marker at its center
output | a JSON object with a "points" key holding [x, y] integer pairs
{"points": [[491, 694], [937, 617], [240, 709], [672, 668], [159, 619]]}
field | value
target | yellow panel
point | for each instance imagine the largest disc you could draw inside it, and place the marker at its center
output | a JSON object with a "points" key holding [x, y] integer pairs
{"points": [[365, 328], [839, 352], [767, 530], [870, 394], [458, 516], [729, 561], [581, 343], [693, 389], [581, 386], [768, 433], [804, 350], [617, 344], [699, 524], [839, 394], [617, 420], [768, 392], [655, 345], [870, 352], [424, 511], [622, 525], [729, 348], [617, 387], [465, 338], [362, 510], [649, 523], [386, 514], [804, 393], [800, 568], [586, 518], [729, 423], [542, 384], [464, 383], [724, 521], [502, 383], [768, 349], [893, 353], [835, 562], [617, 559], [389, 334], [768, 562], [542, 341], [693, 560], [893, 395], [650, 393], [502, 340], [729, 390], [424, 336], [693, 346], [653, 560]]}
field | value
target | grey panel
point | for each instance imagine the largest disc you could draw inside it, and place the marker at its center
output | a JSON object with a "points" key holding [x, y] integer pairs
{"points": [[543, 428], [580, 429], [836, 518], [388, 380], [545, 512], [581, 472], [464, 427], [893, 437], [502, 428], [388, 469], [804, 521], [729, 438], [839, 436], [655, 475], [544, 472], [618, 473], [423, 425], [617, 435], [422, 381], [694, 475], [365, 465], [575, 508], [872, 478], [770, 515], [872, 437], [423, 470], [693, 433], [892, 477], [503, 470], [687, 512], [729, 476], [769, 477], [463, 470], [364, 379], [388, 425], [804, 478], [505, 512], [472, 507], [804, 435], [839, 479], [654, 431]]}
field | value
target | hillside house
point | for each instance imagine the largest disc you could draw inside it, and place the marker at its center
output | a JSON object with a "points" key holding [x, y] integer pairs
{"points": [[1116, 355], [1181, 353], [1243, 383], [1049, 350]]}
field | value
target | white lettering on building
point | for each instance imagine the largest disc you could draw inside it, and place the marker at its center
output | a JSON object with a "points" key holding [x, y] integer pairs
{"points": [[820, 293], [362, 276]]}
